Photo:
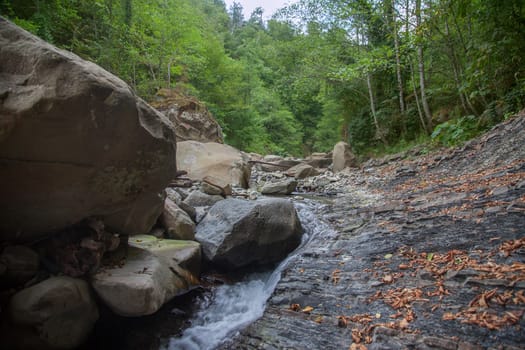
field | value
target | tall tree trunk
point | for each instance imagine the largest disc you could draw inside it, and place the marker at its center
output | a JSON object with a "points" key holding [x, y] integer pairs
{"points": [[421, 68], [455, 67], [398, 60], [379, 131], [419, 111]]}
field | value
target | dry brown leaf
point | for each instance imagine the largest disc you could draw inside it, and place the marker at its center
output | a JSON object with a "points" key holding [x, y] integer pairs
{"points": [[307, 309], [295, 307]]}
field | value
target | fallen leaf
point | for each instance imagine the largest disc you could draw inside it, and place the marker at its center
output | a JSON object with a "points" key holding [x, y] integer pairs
{"points": [[388, 256], [307, 309], [388, 279], [295, 307]]}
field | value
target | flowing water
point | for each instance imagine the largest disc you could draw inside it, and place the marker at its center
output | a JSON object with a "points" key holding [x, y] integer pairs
{"points": [[233, 307]]}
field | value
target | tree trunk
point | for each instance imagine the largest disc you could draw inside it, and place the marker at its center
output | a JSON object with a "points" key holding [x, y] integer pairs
{"points": [[455, 67], [421, 68], [379, 131], [398, 61], [419, 111]]}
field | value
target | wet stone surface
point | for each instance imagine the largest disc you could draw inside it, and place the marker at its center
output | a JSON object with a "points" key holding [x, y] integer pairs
{"points": [[432, 257]]}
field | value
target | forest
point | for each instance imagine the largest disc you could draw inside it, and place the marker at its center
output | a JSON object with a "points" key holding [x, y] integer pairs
{"points": [[382, 75]]}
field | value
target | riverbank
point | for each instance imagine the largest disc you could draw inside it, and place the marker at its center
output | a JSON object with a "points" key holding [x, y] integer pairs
{"points": [[429, 253]]}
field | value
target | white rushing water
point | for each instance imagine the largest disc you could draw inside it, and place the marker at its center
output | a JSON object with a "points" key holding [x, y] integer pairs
{"points": [[235, 306]]}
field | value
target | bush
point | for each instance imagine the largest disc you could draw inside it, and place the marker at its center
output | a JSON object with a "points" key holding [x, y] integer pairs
{"points": [[456, 131]]}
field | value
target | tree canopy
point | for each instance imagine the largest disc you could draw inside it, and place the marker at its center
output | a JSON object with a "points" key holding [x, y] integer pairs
{"points": [[374, 73]]}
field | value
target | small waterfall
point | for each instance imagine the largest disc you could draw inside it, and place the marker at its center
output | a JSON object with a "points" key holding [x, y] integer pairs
{"points": [[235, 306]]}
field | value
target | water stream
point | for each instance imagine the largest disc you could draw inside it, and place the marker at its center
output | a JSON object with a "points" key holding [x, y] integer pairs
{"points": [[235, 306]]}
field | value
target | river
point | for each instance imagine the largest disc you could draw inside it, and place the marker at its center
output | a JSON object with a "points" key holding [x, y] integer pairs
{"points": [[231, 307]]}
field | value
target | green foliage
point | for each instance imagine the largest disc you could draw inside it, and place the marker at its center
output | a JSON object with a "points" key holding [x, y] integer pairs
{"points": [[307, 78], [455, 132]]}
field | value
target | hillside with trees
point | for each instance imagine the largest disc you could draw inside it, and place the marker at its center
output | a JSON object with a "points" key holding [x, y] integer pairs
{"points": [[379, 74]]}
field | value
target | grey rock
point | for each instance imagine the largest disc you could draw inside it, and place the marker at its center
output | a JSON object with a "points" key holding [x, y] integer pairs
{"points": [[199, 199], [343, 157], [173, 195], [177, 222], [73, 125], [236, 233], [211, 189], [282, 187], [141, 286], [302, 171], [189, 210], [191, 118], [60, 312]]}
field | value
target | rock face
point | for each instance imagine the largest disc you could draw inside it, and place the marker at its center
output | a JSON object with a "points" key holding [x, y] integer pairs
{"points": [[50, 310], [282, 187], [343, 157], [213, 159], [75, 142], [151, 276], [177, 222], [236, 233], [191, 118]]}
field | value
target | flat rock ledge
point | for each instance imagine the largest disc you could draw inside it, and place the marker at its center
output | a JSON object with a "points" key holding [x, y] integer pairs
{"points": [[435, 261]]}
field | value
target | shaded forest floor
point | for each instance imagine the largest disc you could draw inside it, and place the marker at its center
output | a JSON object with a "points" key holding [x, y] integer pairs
{"points": [[428, 253]]}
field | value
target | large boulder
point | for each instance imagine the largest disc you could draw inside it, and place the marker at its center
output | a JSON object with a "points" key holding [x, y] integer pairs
{"points": [[213, 159], [192, 120], [343, 157], [236, 233], [59, 312], [75, 142], [177, 222], [151, 275]]}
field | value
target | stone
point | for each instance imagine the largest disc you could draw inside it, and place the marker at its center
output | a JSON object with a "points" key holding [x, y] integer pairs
{"points": [[173, 195], [213, 159], [343, 157], [76, 142], [21, 263], [177, 222], [282, 187], [60, 312], [272, 158], [191, 118], [139, 287], [302, 171], [211, 189], [191, 211], [226, 187], [237, 233], [199, 199], [176, 254]]}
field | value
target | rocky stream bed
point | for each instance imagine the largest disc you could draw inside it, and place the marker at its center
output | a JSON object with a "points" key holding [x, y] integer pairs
{"points": [[428, 253], [416, 251]]}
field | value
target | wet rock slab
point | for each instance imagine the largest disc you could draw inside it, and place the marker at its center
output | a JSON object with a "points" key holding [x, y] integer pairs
{"points": [[429, 259]]}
